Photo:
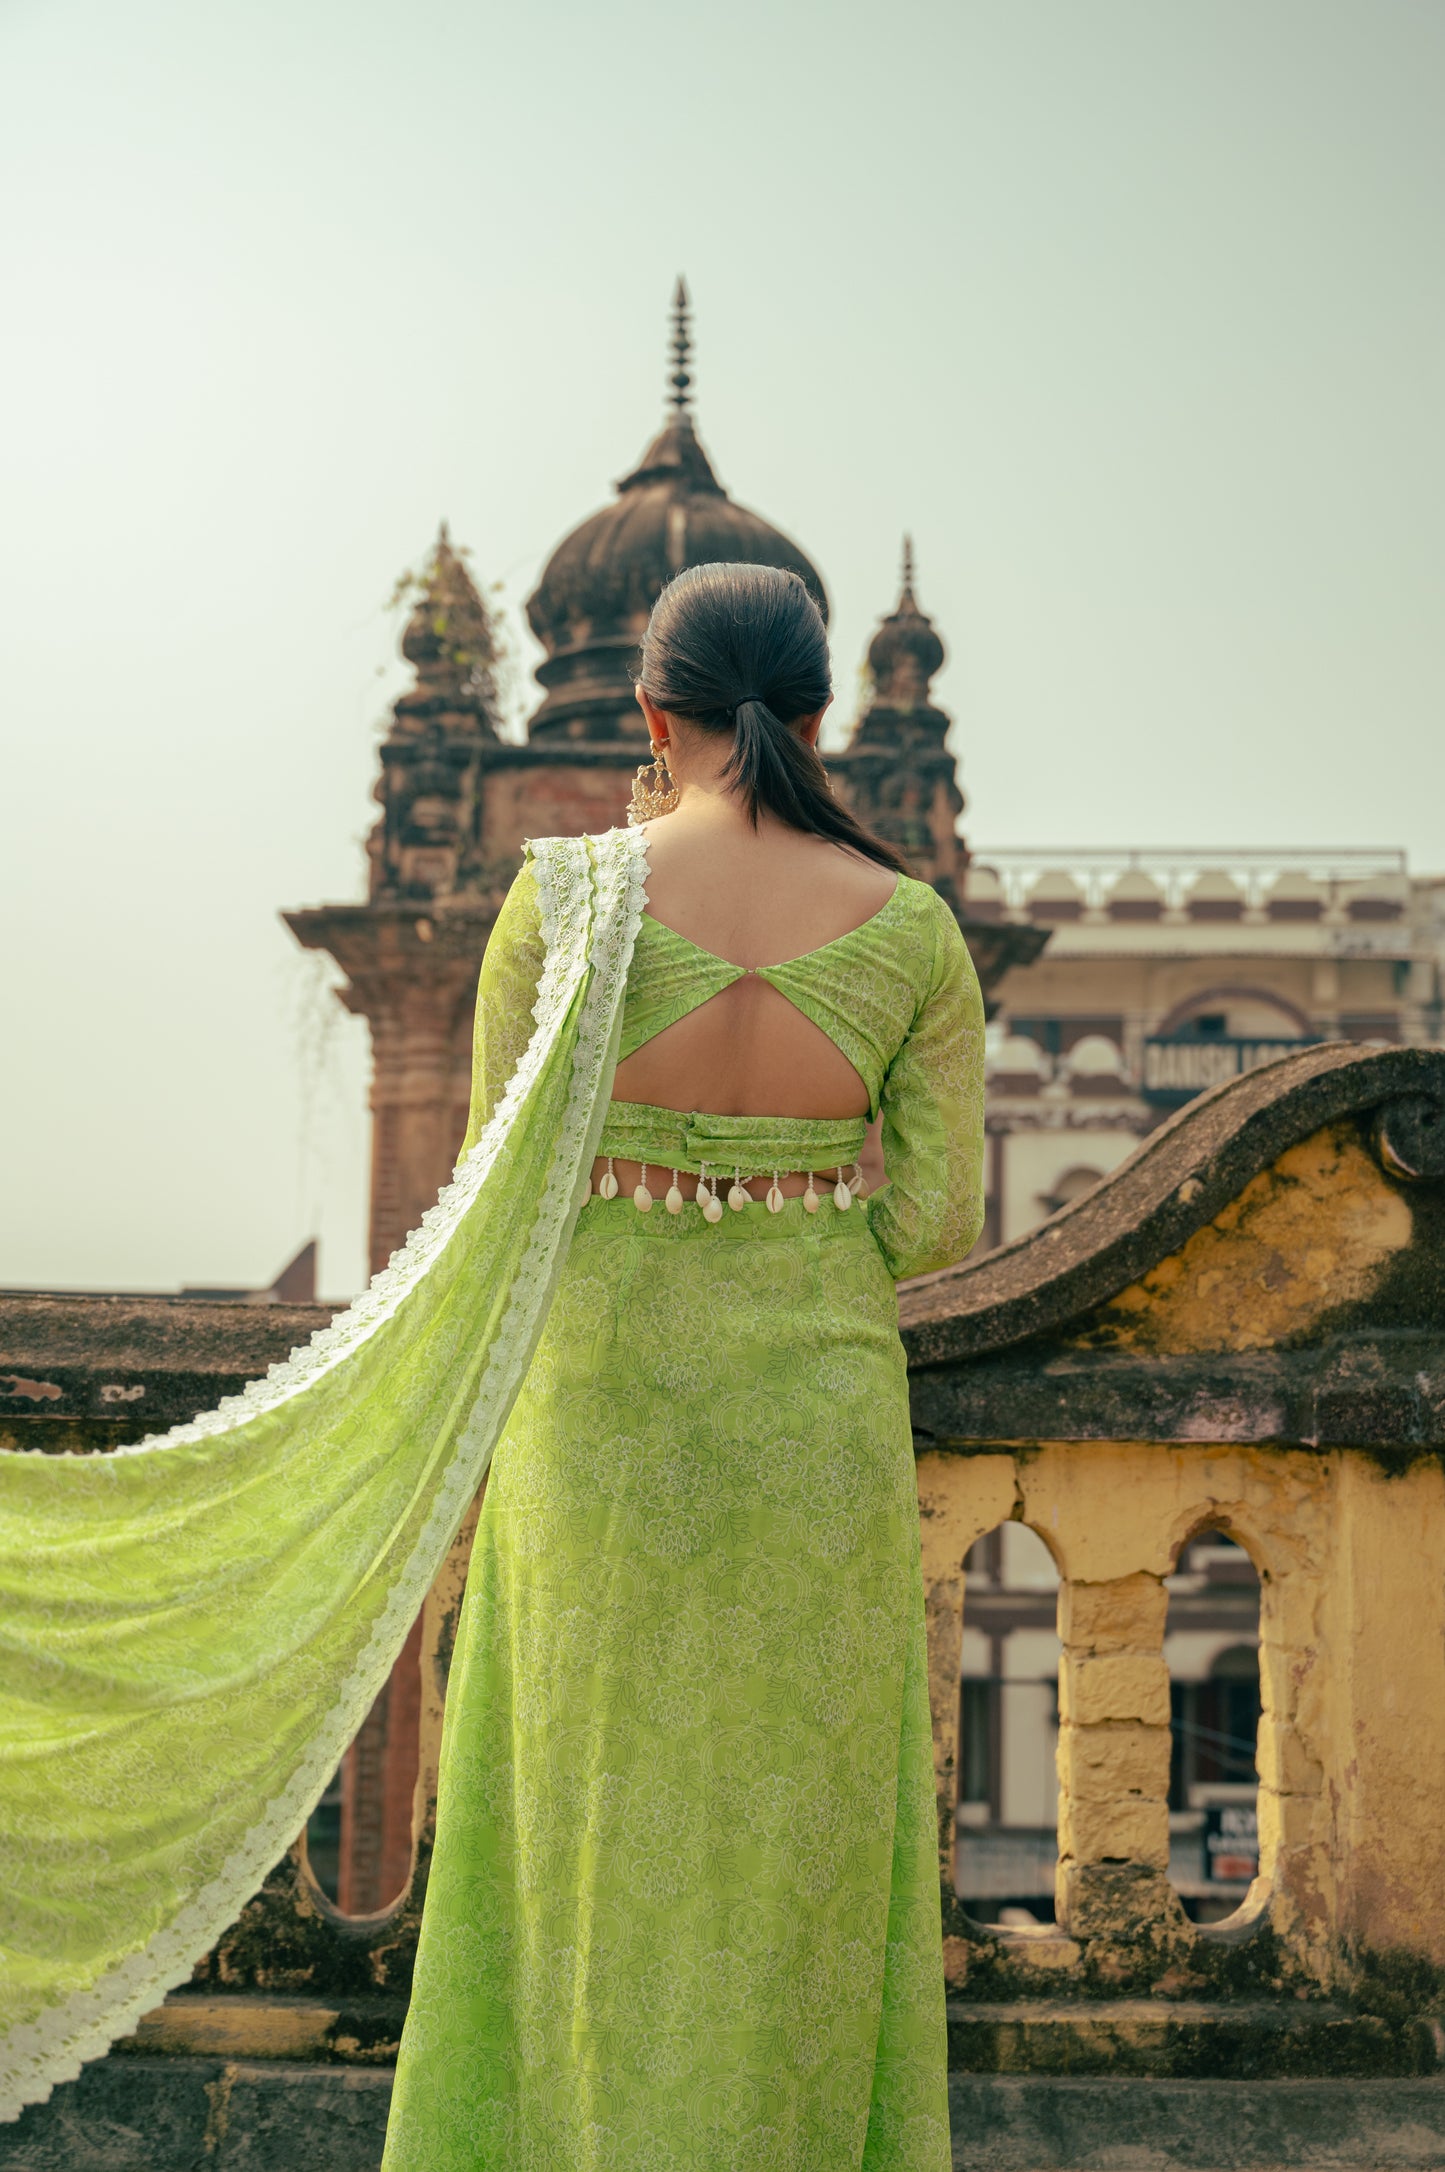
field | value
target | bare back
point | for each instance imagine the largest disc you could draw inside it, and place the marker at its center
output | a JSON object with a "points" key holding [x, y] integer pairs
{"points": [[754, 898]]}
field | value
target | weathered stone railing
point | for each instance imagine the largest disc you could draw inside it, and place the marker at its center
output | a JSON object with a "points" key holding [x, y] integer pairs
{"points": [[1243, 1329]]}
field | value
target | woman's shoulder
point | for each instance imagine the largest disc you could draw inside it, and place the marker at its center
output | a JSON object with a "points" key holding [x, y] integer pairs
{"points": [[930, 943], [919, 906]]}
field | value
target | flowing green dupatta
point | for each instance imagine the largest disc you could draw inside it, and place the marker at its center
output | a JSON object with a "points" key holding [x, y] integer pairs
{"points": [[191, 1630]]}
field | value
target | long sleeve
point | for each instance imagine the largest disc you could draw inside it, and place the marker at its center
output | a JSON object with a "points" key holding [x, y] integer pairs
{"points": [[931, 1210], [506, 992]]}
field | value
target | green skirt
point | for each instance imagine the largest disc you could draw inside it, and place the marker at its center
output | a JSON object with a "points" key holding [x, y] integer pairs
{"points": [[683, 1913]]}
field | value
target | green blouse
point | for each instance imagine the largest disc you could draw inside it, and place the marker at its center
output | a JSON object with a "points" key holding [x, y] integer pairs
{"points": [[898, 996]]}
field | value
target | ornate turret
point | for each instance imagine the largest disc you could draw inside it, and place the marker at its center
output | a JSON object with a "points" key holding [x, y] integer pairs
{"points": [[896, 768], [899, 776], [451, 641], [904, 654], [591, 606], [427, 844]]}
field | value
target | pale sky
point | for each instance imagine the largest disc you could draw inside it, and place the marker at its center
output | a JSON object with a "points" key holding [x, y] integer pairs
{"points": [[1131, 310]]}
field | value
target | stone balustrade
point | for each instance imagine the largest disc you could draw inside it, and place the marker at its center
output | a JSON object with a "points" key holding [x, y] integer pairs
{"points": [[1241, 1330]]}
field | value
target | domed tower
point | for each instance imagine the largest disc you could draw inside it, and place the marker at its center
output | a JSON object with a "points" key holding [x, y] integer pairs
{"points": [[591, 606], [426, 843], [898, 775], [896, 769]]}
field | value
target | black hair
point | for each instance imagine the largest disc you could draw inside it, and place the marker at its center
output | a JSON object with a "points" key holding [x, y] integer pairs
{"points": [[742, 649]]}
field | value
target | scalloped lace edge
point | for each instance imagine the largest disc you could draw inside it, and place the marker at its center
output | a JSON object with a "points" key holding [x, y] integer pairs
{"points": [[612, 868]]}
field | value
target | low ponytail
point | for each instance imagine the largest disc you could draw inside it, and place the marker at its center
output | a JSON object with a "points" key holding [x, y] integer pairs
{"points": [[742, 650], [773, 767]]}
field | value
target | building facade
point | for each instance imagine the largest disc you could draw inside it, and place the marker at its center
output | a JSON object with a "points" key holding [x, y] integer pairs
{"points": [[1166, 974], [1169, 972]]}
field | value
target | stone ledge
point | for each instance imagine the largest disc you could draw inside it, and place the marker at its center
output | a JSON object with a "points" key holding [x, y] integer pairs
{"points": [[1046, 2123], [175, 2115], [141, 2114], [348, 2032], [1232, 2042]]}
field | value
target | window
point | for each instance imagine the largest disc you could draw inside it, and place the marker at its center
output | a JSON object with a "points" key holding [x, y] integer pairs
{"points": [[1212, 1646], [1008, 1722]]}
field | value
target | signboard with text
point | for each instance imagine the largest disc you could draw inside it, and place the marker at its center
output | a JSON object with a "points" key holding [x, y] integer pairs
{"points": [[1176, 1068], [1231, 1844]]}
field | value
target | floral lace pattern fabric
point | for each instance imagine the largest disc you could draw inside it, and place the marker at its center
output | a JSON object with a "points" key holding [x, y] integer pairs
{"points": [[683, 1913], [898, 995]]}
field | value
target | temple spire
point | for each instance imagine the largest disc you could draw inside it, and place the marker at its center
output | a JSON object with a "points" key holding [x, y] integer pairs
{"points": [[904, 654], [680, 379], [905, 600]]}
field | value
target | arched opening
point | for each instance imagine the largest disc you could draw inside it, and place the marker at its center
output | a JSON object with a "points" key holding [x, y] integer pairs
{"points": [[359, 1838], [1236, 1013], [1079, 1178], [1211, 1644], [323, 1837], [1006, 1820]]}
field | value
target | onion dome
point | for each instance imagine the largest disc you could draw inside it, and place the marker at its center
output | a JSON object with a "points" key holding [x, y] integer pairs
{"points": [[591, 606], [905, 653]]}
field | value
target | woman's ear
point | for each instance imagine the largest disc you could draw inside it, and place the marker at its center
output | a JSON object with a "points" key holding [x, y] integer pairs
{"points": [[808, 727], [657, 727]]}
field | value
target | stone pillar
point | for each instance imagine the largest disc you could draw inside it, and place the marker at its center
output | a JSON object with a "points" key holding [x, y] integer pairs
{"points": [[377, 1788], [421, 1039], [957, 1503], [1113, 1748], [1384, 1614]]}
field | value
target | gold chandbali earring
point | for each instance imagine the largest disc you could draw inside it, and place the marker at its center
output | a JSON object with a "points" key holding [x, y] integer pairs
{"points": [[653, 791]]}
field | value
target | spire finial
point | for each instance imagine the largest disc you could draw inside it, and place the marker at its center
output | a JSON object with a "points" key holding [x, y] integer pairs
{"points": [[680, 379], [907, 595]]}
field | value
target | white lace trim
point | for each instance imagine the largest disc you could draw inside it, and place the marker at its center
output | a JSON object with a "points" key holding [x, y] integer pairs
{"points": [[613, 869]]}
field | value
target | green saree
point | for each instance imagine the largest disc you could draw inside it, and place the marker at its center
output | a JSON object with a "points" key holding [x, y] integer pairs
{"points": [[683, 1909]]}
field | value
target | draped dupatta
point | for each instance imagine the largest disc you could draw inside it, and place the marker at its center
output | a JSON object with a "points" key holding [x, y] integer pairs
{"points": [[192, 1629]]}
